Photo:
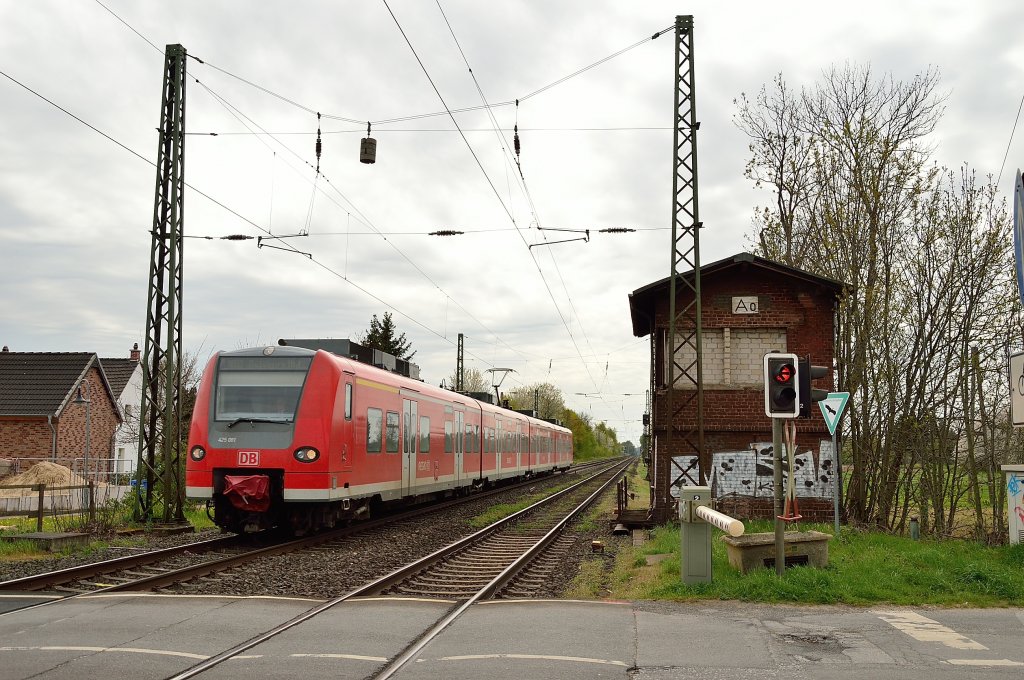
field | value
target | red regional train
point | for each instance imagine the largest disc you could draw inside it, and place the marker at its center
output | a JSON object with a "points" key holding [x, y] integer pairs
{"points": [[303, 439]]}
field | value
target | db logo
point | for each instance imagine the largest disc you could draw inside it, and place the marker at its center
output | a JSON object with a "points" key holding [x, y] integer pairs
{"points": [[249, 458]]}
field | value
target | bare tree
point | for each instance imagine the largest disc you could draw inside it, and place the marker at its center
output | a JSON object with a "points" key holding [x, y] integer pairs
{"points": [[925, 253]]}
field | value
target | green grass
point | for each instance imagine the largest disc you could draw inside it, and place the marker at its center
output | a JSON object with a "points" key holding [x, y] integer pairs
{"points": [[503, 510], [114, 517], [865, 568]]}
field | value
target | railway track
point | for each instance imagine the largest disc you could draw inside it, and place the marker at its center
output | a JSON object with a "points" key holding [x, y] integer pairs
{"points": [[187, 564], [462, 571], [122, 572], [512, 546]]}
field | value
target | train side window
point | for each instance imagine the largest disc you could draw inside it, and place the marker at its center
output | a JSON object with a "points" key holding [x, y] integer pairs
{"points": [[391, 435], [348, 401], [374, 425], [476, 439], [447, 436], [424, 434]]}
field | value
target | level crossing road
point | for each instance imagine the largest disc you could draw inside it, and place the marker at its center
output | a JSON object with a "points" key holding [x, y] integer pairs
{"points": [[153, 636]]}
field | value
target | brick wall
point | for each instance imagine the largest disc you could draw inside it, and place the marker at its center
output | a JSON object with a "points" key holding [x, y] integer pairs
{"points": [[31, 437], [102, 425], [793, 316], [25, 438]]}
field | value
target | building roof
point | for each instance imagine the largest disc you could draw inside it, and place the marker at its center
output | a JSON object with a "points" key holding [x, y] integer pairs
{"points": [[642, 301], [42, 383], [119, 372]]}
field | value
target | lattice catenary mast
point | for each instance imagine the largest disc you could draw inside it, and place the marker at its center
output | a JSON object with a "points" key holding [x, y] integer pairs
{"points": [[160, 426], [685, 377]]}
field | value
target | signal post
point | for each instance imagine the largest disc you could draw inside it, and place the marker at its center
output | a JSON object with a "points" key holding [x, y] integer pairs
{"points": [[787, 396]]}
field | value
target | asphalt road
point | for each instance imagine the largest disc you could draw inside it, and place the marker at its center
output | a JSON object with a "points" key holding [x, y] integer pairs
{"points": [[147, 637]]}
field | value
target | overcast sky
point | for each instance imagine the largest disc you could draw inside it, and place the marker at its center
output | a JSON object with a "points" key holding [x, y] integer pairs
{"points": [[76, 209]]}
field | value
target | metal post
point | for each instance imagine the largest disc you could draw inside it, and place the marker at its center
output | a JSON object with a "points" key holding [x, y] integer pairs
{"points": [[39, 508], [835, 489], [780, 526], [460, 370], [88, 436]]}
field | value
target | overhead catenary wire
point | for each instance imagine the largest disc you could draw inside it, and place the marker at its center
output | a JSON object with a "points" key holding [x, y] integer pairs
{"points": [[245, 219], [433, 114], [504, 147], [446, 112], [239, 115], [1010, 140]]}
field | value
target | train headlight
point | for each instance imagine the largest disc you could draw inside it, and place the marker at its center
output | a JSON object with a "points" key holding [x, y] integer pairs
{"points": [[197, 453], [307, 454]]}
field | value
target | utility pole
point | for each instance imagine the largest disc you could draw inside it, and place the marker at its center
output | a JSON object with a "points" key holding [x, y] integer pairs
{"points": [[160, 434], [685, 394], [460, 368]]}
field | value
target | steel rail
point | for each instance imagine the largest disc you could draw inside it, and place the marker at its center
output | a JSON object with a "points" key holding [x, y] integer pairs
{"points": [[72, 574], [496, 583], [379, 584], [69, 574]]}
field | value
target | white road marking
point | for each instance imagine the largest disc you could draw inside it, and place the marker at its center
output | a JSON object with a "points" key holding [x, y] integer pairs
{"points": [[355, 657], [926, 630], [545, 657], [983, 662], [129, 650]]}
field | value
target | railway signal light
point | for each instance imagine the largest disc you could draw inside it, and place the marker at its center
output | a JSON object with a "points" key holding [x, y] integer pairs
{"points": [[781, 385], [808, 394]]}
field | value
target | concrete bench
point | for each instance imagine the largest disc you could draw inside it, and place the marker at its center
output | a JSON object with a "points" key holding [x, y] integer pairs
{"points": [[753, 551]]}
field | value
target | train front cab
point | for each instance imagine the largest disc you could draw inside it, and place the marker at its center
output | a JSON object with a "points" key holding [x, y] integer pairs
{"points": [[263, 448]]}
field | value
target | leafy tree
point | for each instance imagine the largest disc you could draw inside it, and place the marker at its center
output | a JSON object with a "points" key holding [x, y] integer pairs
{"points": [[550, 401], [629, 449], [590, 441], [472, 381], [383, 335]]}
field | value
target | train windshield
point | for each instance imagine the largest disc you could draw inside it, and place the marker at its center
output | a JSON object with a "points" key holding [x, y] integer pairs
{"points": [[259, 388]]}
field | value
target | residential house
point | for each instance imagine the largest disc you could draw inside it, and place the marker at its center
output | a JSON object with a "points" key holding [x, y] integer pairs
{"points": [[57, 406]]}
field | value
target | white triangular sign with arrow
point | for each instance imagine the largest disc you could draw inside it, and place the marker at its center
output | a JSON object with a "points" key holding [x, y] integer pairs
{"points": [[832, 408]]}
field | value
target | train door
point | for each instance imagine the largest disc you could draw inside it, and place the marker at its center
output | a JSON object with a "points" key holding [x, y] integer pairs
{"points": [[409, 439], [519, 448], [460, 426], [498, 449]]}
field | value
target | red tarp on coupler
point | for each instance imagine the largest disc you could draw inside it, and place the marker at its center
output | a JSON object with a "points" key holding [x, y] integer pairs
{"points": [[248, 492]]}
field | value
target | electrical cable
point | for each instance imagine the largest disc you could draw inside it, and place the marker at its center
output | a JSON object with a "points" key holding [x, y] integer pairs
{"points": [[1010, 141], [448, 111], [160, 51], [420, 116], [504, 149]]}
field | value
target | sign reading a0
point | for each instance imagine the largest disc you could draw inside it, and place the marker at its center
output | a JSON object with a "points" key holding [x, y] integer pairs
{"points": [[746, 304]]}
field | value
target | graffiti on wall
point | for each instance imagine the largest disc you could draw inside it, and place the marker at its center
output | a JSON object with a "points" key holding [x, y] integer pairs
{"points": [[1015, 505], [751, 473]]}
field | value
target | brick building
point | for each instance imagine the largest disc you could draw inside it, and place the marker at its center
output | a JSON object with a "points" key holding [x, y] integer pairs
{"points": [[41, 417], [750, 306]]}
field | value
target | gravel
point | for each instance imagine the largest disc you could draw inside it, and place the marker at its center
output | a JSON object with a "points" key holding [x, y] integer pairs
{"points": [[334, 568]]}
